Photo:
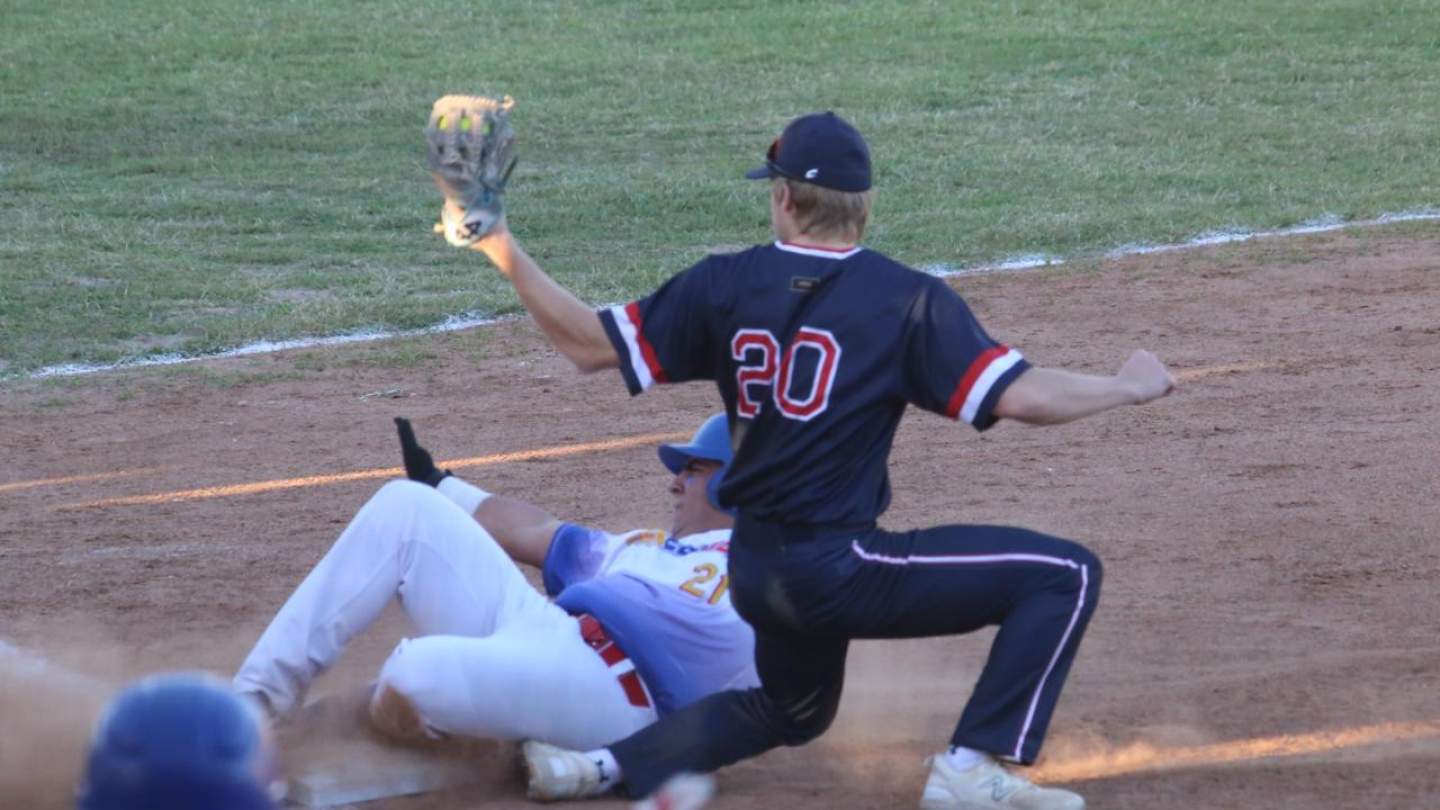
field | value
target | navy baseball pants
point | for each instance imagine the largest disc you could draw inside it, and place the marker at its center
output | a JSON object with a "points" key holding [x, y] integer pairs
{"points": [[808, 590]]}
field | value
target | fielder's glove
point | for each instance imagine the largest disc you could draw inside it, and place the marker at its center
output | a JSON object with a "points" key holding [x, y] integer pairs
{"points": [[419, 465], [469, 148]]}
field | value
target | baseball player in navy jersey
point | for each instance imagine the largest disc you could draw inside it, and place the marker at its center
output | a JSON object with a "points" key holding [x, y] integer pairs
{"points": [[817, 344], [640, 626]]}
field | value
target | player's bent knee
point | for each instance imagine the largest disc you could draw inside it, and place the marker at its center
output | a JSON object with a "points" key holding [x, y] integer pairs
{"points": [[395, 706], [1094, 569], [1093, 573], [1085, 558], [403, 489], [394, 715], [800, 732], [802, 723], [403, 497]]}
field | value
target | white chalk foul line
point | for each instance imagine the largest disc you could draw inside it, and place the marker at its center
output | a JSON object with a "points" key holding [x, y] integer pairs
{"points": [[1029, 261], [452, 324]]}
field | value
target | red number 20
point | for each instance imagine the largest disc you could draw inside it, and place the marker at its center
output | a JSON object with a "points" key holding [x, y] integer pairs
{"points": [[756, 352]]}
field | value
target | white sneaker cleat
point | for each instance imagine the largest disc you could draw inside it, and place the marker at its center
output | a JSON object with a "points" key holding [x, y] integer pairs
{"points": [[683, 791], [989, 786], [555, 774]]}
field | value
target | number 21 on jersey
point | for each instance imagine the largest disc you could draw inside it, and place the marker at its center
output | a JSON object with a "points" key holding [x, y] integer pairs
{"points": [[698, 584], [761, 364]]}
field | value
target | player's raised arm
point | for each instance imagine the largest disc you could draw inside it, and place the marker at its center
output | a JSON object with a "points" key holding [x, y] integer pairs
{"points": [[522, 529], [1047, 396], [573, 328], [469, 150], [657, 339]]}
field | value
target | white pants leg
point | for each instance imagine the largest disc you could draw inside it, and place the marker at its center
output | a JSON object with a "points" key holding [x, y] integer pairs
{"points": [[535, 678], [410, 542]]}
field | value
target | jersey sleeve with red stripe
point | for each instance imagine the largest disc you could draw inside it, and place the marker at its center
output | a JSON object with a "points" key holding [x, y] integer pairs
{"points": [[952, 366], [663, 337]]}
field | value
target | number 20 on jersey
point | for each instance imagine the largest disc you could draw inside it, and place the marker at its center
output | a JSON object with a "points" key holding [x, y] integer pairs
{"points": [[761, 365]]}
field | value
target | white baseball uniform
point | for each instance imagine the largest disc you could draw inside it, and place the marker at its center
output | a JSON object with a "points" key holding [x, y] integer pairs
{"points": [[642, 623]]}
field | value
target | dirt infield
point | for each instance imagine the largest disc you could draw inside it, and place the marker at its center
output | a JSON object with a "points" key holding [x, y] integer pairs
{"points": [[1271, 533]]}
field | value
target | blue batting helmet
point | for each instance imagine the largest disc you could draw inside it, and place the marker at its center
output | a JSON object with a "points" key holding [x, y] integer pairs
{"points": [[712, 443], [178, 741]]}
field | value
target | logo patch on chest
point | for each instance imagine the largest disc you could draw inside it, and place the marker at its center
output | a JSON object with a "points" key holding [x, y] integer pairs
{"points": [[803, 284]]}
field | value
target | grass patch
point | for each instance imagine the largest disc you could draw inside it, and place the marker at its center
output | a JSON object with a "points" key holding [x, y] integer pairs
{"points": [[402, 353], [194, 176]]}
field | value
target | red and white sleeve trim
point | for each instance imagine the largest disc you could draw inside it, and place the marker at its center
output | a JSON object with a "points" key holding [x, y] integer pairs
{"points": [[978, 380], [642, 355]]}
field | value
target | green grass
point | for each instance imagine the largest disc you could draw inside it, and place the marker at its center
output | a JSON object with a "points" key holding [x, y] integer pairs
{"points": [[194, 176], [400, 353]]}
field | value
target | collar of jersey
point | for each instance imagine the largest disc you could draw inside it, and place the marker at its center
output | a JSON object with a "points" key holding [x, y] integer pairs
{"points": [[705, 538], [821, 252]]}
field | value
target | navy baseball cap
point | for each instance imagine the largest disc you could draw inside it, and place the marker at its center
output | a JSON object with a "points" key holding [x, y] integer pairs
{"points": [[820, 148]]}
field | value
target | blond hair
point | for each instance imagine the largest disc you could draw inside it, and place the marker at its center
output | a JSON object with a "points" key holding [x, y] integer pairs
{"points": [[823, 211]]}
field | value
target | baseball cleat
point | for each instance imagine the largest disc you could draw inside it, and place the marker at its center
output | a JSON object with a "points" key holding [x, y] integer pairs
{"points": [[555, 774], [683, 791], [989, 786]]}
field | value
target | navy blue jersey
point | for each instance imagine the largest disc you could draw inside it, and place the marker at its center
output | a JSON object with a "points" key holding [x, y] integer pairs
{"points": [[816, 353]]}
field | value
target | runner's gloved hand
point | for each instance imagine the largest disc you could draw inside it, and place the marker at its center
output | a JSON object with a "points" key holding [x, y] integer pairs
{"points": [[419, 465]]}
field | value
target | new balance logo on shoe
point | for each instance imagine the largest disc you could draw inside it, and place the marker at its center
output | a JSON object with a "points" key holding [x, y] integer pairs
{"points": [[988, 786], [1001, 787]]}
